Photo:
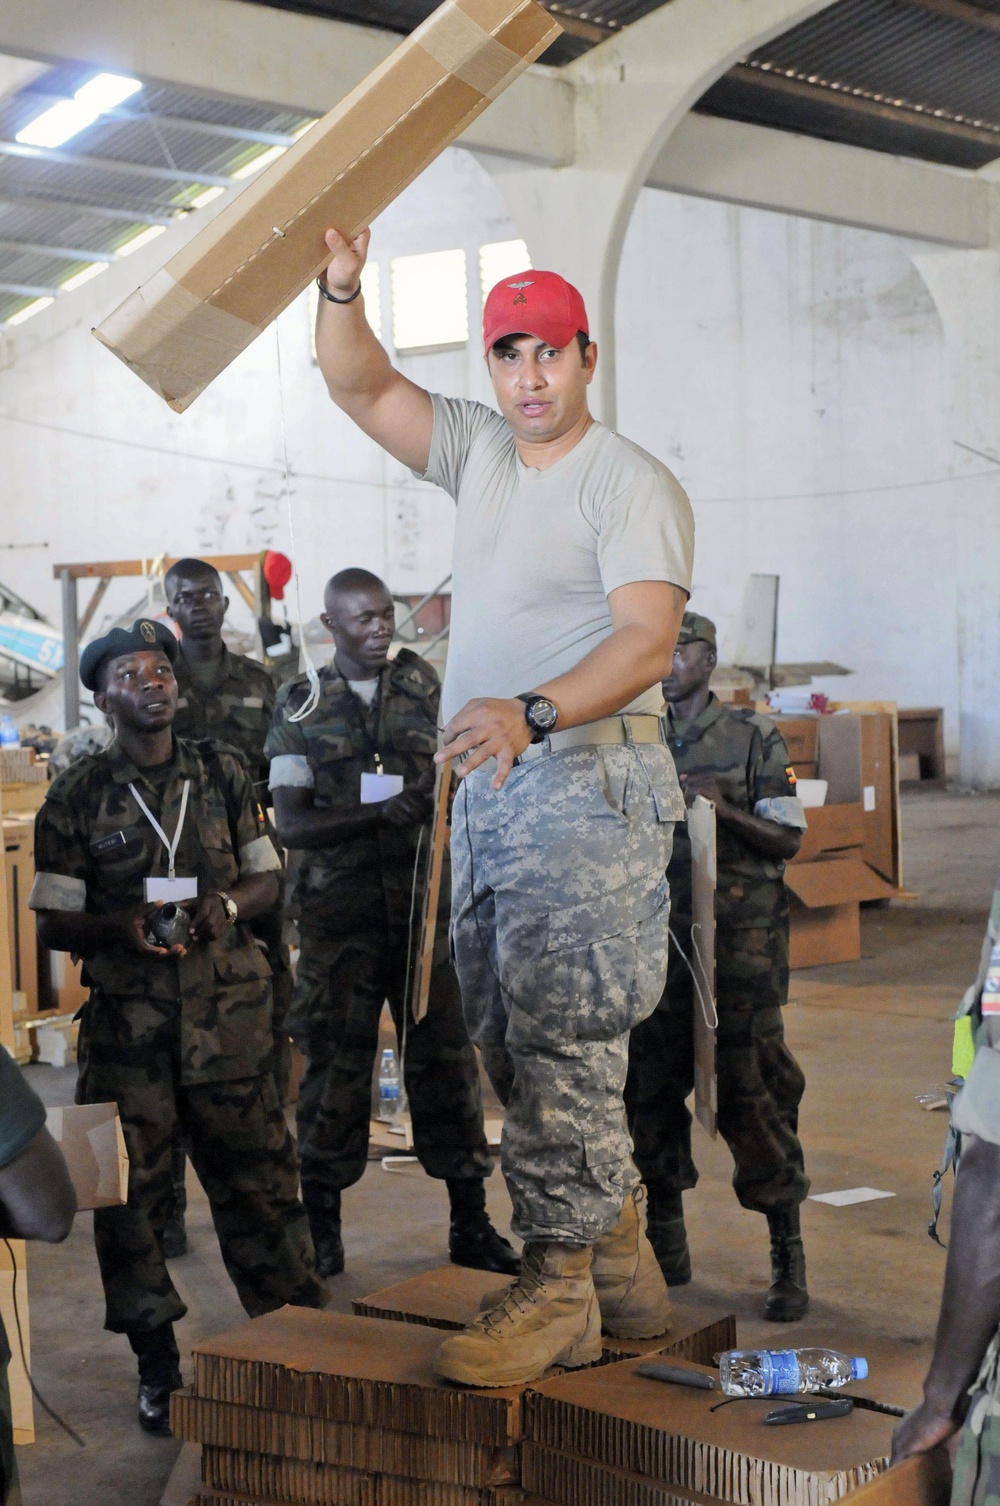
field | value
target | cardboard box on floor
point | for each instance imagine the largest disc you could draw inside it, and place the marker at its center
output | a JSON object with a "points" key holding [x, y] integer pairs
{"points": [[851, 851], [90, 1137], [211, 300]]}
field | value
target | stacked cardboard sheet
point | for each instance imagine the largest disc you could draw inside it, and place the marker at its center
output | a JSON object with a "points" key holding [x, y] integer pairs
{"points": [[318, 1407], [613, 1437], [451, 1298]]}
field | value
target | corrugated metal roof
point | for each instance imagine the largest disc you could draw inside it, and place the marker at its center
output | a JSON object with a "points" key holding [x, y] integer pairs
{"points": [[68, 200]]}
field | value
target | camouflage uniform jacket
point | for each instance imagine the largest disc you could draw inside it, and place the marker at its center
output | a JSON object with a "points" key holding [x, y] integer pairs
{"points": [[747, 756], [237, 711], [93, 848], [368, 880]]}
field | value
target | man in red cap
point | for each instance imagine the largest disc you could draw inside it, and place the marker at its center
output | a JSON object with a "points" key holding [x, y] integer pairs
{"points": [[572, 566]]}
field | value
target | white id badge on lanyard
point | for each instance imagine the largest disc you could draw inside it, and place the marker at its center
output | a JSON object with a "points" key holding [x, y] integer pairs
{"points": [[378, 787], [174, 889], [171, 887]]}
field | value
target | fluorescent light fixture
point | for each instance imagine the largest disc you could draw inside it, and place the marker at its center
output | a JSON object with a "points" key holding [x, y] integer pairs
{"points": [[30, 310], [205, 197], [256, 163], [302, 129], [70, 116], [87, 275], [498, 260], [142, 239], [430, 305]]}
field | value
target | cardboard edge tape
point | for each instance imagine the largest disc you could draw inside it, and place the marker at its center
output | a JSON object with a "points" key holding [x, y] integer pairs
{"points": [[461, 46]]}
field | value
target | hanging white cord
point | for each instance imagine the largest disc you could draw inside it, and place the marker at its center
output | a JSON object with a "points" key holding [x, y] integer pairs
{"points": [[313, 698], [712, 1023]]}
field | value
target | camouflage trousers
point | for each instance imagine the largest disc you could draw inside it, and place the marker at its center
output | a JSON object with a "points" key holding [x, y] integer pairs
{"points": [[559, 929], [244, 1156], [340, 986], [760, 1084], [977, 1462]]}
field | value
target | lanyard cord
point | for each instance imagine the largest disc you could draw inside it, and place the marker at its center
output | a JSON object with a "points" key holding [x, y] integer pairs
{"points": [[170, 846]]}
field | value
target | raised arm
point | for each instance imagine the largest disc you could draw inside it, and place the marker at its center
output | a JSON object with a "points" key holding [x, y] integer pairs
{"points": [[359, 376]]}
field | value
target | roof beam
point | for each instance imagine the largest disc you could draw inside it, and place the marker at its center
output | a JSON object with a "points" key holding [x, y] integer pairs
{"points": [[68, 253], [26, 290], [301, 62], [960, 10], [736, 163], [131, 216], [925, 119], [112, 165]]}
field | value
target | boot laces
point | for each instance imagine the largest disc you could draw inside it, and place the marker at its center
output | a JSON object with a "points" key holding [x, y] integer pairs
{"points": [[520, 1297]]}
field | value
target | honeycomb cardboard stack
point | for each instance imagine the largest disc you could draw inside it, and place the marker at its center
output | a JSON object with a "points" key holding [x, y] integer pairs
{"points": [[451, 1296], [612, 1437], [319, 1407]]}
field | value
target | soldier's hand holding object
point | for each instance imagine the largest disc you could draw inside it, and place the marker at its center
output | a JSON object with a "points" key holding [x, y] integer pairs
{"points": [[209, 920], [694, 785], [412, 808], [486, 728], [134, 925]]}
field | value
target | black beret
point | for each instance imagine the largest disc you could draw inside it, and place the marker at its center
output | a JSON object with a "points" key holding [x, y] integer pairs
{"points": [[139, 638]]}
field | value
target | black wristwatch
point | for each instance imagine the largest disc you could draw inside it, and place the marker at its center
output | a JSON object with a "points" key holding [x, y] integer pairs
{"points": [[540, 714]]}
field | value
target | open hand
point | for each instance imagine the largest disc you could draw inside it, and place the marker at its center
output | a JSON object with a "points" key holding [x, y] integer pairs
{"points": [[921, 1430], [343, 273], [486, 728]]}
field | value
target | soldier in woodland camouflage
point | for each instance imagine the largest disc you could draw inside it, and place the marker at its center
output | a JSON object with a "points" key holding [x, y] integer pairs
{"points": [[358, 904], [179, 1036], [962, 1389], [738, 760], [230, 698]]}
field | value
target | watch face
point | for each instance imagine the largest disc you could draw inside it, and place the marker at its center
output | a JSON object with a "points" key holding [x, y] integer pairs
{"points": [[542, 714]]}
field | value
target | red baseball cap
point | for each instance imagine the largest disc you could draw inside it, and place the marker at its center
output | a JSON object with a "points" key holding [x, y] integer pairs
{"points": [[534, 303]]}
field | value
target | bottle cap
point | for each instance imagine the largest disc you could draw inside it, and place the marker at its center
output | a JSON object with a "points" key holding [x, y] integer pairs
{"points": [[859, 1369]]}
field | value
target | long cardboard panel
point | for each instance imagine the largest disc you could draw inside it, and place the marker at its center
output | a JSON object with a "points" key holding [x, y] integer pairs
{"points": [[221, 1425], [835, 881], [820, 937], [211, 300], [570, 1481], [830, 828], [369, 1490], [257, 1475], [450, 1298], [350, 1369], [20, 1391], [621, 1420], [924, 1480]]}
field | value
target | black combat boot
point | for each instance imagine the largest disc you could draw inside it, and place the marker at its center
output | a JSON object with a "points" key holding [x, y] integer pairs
{"points": [[322, 1205], [667, 1235], [788, 1299], [472, 1239], [159, 1374]]}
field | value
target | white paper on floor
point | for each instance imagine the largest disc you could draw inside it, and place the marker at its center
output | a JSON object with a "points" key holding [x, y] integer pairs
{"points": [[849, 1195]]}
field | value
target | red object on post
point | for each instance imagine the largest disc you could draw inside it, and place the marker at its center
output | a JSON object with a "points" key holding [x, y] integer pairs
{"points": [[277, 573]]}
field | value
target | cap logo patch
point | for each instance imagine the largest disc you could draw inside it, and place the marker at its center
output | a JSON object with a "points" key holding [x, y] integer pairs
{"points": [[519, 290], [148, 631]]}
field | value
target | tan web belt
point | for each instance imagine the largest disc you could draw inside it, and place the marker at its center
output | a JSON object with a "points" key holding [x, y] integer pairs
{"points": [[609, 730]]}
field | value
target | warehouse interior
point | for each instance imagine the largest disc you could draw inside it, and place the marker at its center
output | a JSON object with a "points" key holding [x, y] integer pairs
{"points": [[784, 217]]}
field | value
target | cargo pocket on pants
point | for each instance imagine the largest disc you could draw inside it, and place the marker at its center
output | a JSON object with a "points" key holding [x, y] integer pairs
{"points": [[604, 963]]}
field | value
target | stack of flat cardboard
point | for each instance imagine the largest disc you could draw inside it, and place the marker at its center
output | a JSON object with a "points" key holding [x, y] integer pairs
{"points": [[613, 1437], [318, 1407], [451, 1298]]}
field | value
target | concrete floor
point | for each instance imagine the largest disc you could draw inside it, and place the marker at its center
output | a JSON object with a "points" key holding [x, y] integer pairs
{"points": [[870, 1036]]}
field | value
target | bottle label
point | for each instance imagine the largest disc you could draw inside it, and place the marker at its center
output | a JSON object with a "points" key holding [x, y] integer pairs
{"points": [[990, 1003], [389, 1090], [779, 1370]]}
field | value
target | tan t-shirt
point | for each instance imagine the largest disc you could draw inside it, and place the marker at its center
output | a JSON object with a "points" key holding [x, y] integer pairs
{"points": [[537, 552]]}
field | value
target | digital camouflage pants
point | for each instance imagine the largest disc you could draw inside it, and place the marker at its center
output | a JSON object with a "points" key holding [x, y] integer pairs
{"points": [[244, 1156], [559, 928], [341, 984], [760, 1084]]}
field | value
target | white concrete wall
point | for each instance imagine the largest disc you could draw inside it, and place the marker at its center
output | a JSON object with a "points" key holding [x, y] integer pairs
{"points": [[793, 374]]}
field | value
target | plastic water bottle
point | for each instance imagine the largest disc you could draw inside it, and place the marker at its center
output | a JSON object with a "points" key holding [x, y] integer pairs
{"points": [[9, 735], [388, 1086], [782, 1372]]}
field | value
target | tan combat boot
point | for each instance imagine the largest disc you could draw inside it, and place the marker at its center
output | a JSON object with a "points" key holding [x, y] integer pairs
{"points": [[630, 1287], [548, 1317]]}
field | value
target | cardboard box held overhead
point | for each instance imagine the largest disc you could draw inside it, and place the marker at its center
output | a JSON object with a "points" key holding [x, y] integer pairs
{"points": [[193, 317]]}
